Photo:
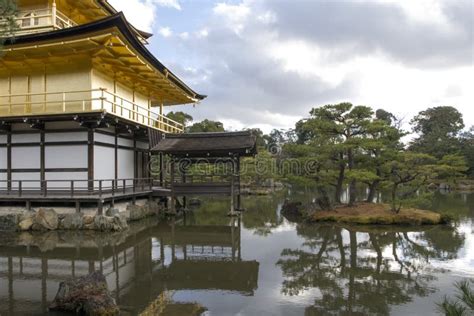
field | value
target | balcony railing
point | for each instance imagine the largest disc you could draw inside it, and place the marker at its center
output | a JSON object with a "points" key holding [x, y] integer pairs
{"points": [[33, 21], [85, 101]]}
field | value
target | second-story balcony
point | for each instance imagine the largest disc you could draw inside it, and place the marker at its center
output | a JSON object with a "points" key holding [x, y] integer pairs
{"points": [[85, 101], [42, 20]]}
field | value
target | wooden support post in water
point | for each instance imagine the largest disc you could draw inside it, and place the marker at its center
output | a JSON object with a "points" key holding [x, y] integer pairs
{"points": [[172, 202], [232, 190], [100, 206], [239, 208]]}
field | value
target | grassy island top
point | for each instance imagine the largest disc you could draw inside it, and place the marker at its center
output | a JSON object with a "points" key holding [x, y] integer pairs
{"points": [[370, 213]]}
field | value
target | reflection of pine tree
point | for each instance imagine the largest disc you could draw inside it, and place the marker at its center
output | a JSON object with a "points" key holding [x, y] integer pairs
{"points": [[367, 272]]}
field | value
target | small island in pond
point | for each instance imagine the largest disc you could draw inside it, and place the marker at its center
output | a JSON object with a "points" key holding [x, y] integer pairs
{"points": [[377, 214]]}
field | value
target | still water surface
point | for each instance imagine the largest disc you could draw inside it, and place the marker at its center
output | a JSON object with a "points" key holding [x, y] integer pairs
{"points": [[262, 264]]}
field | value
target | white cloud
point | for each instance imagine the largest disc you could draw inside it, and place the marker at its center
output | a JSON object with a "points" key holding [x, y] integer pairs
{"points": [[234, 16], [184, 35], [142, 13], [165, 31], [168, 3]]}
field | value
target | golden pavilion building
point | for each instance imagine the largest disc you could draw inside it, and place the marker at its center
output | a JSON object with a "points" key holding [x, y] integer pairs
{"points": [[81, 103]]}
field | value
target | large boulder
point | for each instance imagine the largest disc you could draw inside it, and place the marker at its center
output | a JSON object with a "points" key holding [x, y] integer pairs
{"points": [[9, 222], [87, 294], [72, 221], [46, 219], [26, 221], [110, 223], [88, 222], [112, 211], [119, 222], [137, 212], [102, 223]]}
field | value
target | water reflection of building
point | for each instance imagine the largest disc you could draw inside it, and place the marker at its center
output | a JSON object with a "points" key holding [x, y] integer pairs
{"points": [[139, 265]]}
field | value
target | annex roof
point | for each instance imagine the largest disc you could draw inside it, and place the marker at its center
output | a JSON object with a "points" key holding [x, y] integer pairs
{"points": [[222, 144]]}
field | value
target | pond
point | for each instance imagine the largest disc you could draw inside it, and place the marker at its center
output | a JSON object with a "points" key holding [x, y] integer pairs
{"points": [[260, 264]]}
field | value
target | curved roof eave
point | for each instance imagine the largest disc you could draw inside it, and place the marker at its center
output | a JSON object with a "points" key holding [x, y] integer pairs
{"points": [[117, 20]]}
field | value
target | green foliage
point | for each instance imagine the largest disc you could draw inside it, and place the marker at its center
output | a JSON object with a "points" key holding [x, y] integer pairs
{"points": [[257, 132], [206, 126], [451, 167], [411, 170], [463, 302], [467, 150], [438, 128], [180, 117], [8, 26]]}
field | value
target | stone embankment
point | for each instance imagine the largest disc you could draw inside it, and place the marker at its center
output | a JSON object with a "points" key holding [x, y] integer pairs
{"points": [[47, 219]]}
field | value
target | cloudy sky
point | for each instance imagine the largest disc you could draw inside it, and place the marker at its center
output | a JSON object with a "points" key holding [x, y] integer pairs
{"points": [[266, 63]]}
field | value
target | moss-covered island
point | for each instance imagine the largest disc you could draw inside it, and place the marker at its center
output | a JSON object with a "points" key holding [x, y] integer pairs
{"points": [[377, 214]]}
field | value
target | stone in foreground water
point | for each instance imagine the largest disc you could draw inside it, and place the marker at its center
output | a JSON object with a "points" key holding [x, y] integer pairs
{"points": [[87, 294]]}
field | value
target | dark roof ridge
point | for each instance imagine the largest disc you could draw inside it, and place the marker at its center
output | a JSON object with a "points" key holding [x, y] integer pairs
{"points": [[209, 134]]}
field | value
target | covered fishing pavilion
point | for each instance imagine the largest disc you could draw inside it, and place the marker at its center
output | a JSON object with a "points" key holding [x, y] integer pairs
{"points": [[220, 152]]}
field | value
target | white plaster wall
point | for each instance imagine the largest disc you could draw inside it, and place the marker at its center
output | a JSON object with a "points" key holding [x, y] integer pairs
{"points": [[66, 156], [25, 138], [125, 164], [104, 163], [3, 157], [62, 137], [125, 142], [3, 177], [104, 138], [25, 157], [67, 176], [26, 176]]}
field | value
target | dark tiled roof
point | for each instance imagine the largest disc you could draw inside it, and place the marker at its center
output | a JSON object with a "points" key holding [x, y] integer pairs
{"points": [[208, 144]]}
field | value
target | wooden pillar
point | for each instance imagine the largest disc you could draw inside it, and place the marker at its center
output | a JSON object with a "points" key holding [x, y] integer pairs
{"points": [[90, 159], [11, 298], [44, 288], [172, 202], [42, 157], [162, 251], [9, 160], [239, 208], [173, 252], [116, 156], [91, 266], [232, 189], [183, 179], [162, 170]]}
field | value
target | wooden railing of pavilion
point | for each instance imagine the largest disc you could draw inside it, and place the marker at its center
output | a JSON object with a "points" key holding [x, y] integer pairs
{"points": [[85, 101], [74, 188]]}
